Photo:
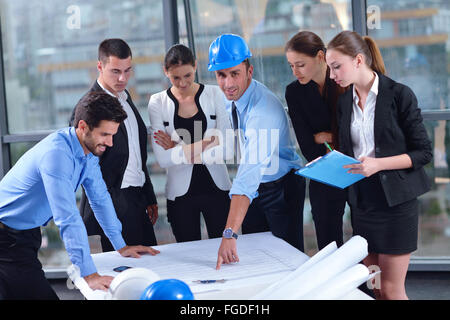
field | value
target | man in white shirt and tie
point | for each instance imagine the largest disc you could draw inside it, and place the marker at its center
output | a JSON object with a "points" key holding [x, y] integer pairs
{"points": [[124, 164]]}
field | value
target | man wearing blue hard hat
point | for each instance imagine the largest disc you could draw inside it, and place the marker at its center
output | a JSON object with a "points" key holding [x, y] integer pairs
{"points": [[266, 193]]}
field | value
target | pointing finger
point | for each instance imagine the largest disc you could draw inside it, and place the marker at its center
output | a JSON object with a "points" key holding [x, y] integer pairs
{"points": [[219, 262]]}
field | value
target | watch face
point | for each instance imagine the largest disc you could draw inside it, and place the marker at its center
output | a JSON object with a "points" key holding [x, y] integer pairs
{"points": [[228, 233]]}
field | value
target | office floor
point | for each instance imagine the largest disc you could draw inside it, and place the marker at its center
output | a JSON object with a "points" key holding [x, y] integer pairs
{"points": [[419, 286]]}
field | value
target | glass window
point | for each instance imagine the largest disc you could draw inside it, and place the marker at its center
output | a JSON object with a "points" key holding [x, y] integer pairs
{"points": [[413, 38], [50, 54], [416, 46], [434, 219]]}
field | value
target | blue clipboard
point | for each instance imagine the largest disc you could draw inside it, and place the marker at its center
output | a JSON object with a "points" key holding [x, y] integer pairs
{"points": [[329, 170]]}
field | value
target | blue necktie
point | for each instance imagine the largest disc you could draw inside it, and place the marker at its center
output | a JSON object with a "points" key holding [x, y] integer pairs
{"points": [[235, 117], [236, 132]]}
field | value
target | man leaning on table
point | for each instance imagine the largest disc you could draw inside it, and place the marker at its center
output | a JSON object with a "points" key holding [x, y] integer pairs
{"points": [[42, 185], [266, 193]]}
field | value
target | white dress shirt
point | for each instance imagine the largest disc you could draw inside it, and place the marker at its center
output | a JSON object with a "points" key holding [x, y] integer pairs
{"points": [[134, 175], [362, 123]]}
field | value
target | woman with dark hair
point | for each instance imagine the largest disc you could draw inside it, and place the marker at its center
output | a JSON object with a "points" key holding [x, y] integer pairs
{"points": [[189, 123], [311, 100], [381, 126]]}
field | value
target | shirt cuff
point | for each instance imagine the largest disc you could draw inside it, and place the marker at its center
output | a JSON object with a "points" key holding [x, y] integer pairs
{"points": [[117, 242], [88, 267], [235, 191]]}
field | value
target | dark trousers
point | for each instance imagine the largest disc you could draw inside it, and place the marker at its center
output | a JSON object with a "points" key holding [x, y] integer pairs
{"points": [[279, 209], [131, 209], [21, 274], [327, 206], [184, 215]]}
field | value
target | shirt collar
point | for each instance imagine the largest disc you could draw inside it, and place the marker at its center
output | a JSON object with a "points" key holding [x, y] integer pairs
{"points": [[373, 89], [121, 95], [78, 149], [243, 101]]}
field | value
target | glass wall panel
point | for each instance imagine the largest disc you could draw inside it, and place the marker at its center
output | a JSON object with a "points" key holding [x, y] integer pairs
{"points": [[434, 219], [414, 40], [50, 54]]}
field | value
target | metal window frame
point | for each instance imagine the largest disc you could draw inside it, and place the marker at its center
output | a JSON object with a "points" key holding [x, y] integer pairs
{"points": [[359, 16], [172, 36], [171, 30], [5, 156], [189, 25]]}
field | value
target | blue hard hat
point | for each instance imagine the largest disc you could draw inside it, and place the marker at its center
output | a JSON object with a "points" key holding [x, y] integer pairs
{"points": [[227, 51], [169, 289]]}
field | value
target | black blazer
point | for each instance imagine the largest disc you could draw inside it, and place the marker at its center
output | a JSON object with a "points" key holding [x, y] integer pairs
{"points": [[113, 163], [398, 129], [310, 114]]}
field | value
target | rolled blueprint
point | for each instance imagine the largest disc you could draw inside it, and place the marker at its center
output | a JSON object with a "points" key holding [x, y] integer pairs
{"points": [[351, 253], [325, 252], [340, 285]]}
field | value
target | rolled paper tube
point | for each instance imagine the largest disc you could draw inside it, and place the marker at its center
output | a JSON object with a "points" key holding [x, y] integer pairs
{"points": [[339, 286], [326, 251], [349, 254]]}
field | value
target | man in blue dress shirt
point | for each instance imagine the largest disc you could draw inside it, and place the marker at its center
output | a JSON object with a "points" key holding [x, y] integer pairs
{"points": [[42, 185], [266, 193]]}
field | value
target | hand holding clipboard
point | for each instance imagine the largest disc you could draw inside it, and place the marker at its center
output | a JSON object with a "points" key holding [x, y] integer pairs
{"points": [[329, 169]]}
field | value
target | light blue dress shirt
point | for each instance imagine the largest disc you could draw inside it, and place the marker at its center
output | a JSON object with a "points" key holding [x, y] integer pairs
{"points": [[42, 186], [266, 142]]}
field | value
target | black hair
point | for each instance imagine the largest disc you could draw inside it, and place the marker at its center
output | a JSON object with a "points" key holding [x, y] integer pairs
{"points": [[113, 47], [247, 63], [310, 44], [178, 55], [96, 106]]}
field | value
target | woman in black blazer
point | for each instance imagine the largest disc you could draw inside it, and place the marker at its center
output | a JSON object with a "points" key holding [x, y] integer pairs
{"points": [[381, 125], [311, 100]]}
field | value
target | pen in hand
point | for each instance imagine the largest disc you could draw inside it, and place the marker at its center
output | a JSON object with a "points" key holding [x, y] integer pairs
{"points": [[328, 146]]}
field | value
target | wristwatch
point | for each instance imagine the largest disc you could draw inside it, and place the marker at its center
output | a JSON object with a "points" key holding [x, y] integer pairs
{"points": [[228, 233]]}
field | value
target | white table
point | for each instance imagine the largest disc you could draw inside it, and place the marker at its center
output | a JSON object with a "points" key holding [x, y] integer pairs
{"points": [[263, 259]]}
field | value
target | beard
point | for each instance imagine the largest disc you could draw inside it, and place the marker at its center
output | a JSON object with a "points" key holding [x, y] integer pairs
{"points": [[95, 149]]}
